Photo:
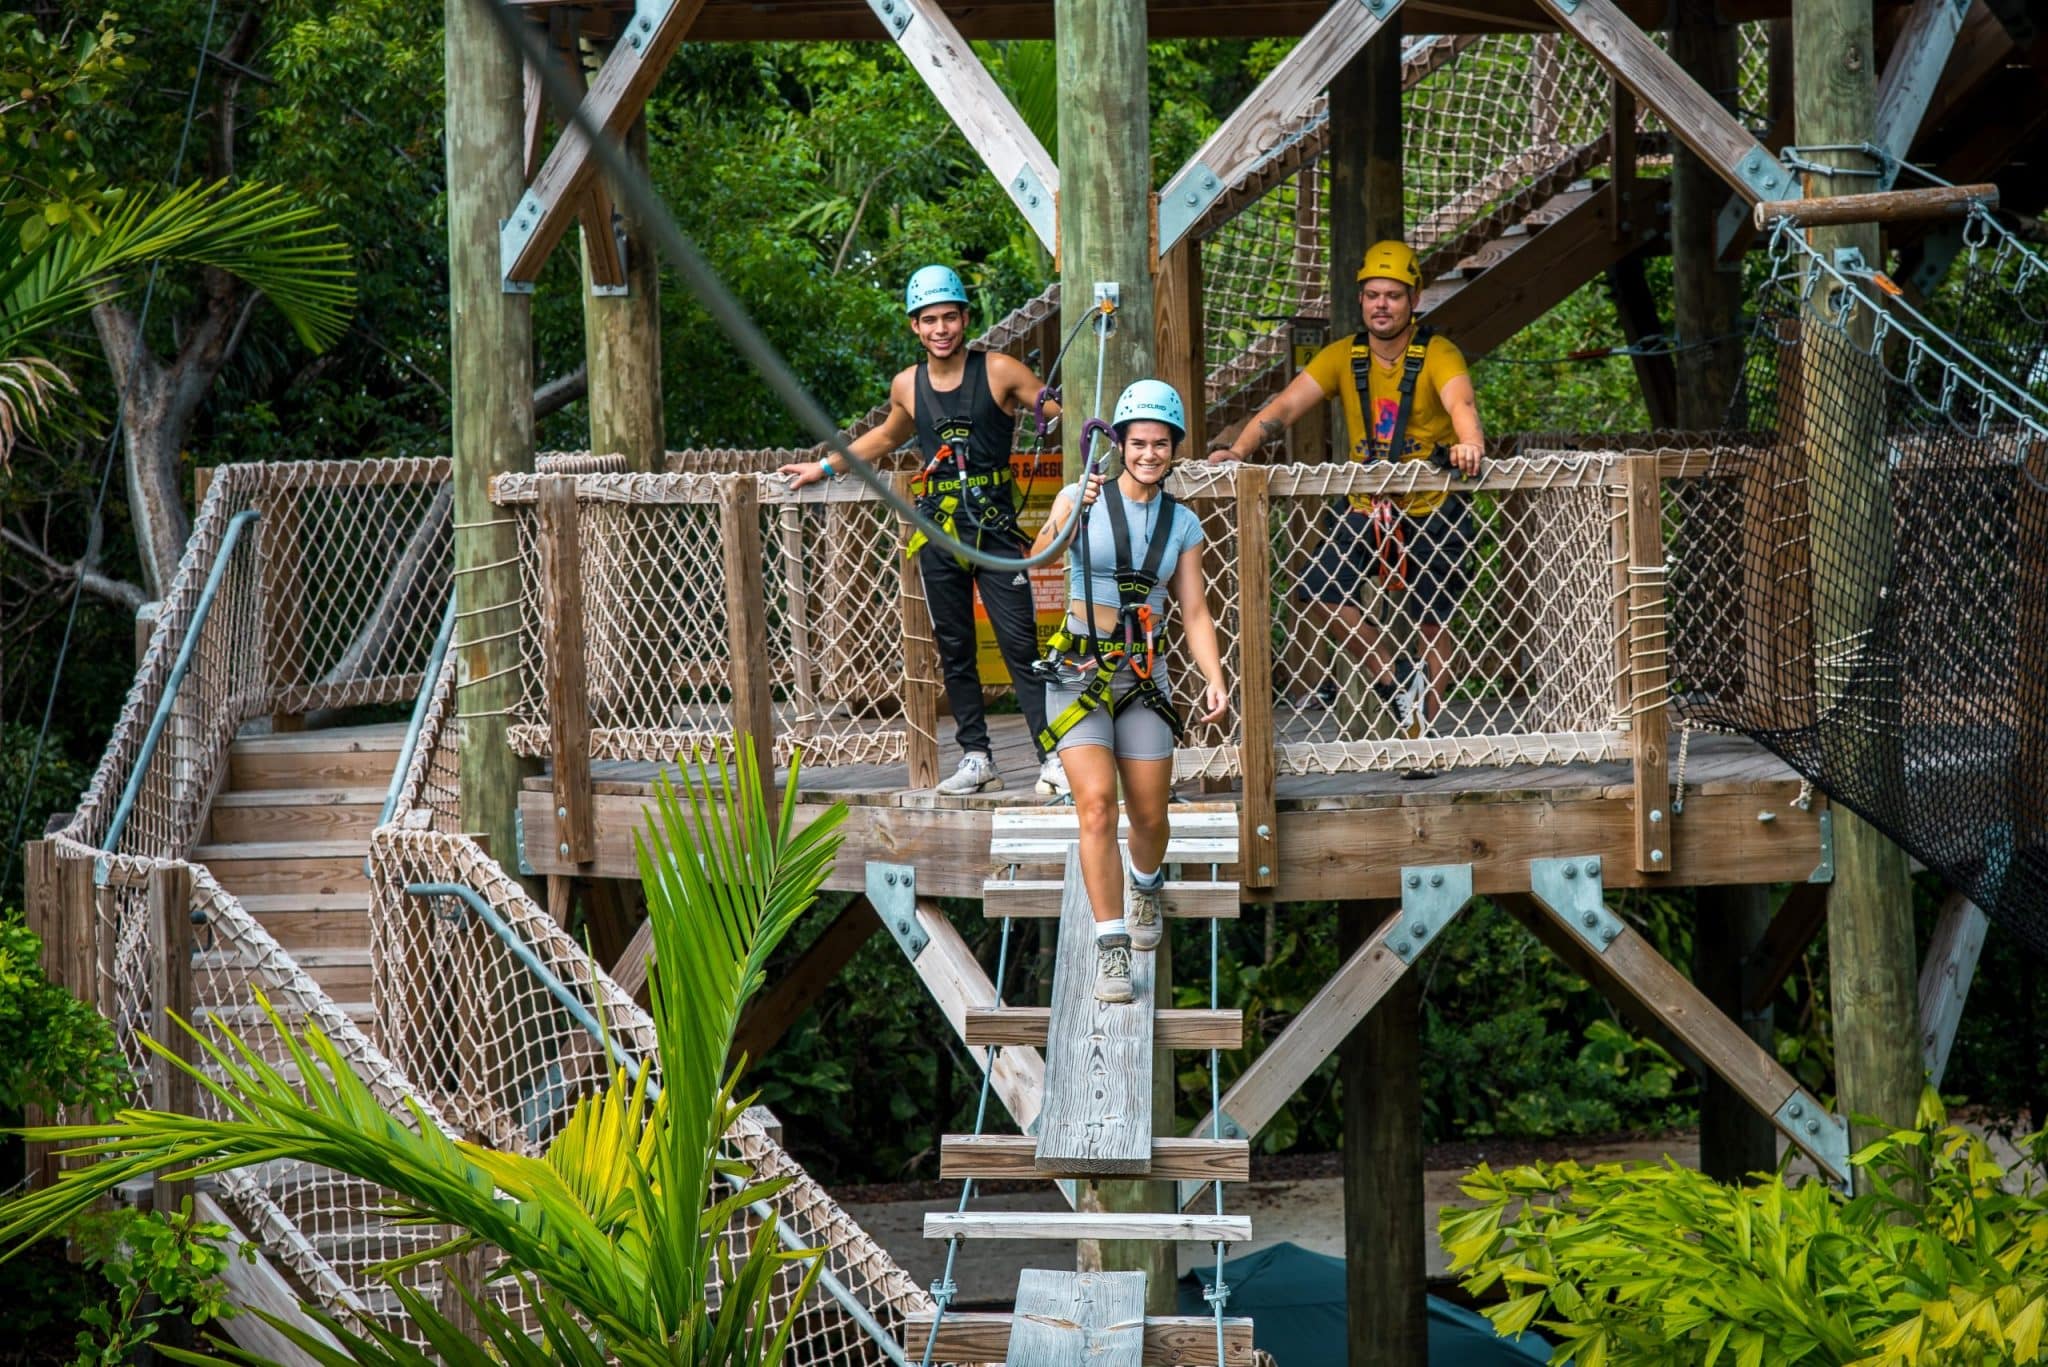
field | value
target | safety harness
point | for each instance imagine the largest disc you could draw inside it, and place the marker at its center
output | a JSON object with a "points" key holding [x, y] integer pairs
{"points": [[1136, 625], [1390, 540], [940, 497]]}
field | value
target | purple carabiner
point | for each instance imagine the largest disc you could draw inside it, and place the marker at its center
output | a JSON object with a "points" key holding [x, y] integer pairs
{"points": [[1038, 410], [1088, 431]]}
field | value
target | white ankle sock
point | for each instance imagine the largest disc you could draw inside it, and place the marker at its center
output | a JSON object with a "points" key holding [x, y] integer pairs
{"points": [[1150, 882], [1105, 929]]}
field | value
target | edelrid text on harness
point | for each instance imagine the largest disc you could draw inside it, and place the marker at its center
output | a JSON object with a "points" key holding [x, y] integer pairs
{"points": [[941, 496], [1136, 626]]}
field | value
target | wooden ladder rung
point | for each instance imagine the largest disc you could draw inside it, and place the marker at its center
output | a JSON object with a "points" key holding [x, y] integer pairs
{"points": [[1187, 901], [1172, 1027], [1015, 1155], [1088, 1224], [1038, 835], [1169, 1339]]}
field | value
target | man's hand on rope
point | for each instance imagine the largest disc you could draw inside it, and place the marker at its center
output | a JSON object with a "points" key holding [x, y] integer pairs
{"points": [[1220, 455], [804, 472], [1467, 459]]}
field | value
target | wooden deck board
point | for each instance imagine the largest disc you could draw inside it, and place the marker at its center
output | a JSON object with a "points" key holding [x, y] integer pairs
{"points": [[1078, 1319]]}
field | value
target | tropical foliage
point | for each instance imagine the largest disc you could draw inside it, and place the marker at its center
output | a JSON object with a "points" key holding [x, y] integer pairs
{"points": [[1942, 1258], [623, 1220]]}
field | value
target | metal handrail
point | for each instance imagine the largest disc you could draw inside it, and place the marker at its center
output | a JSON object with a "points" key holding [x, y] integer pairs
{"points": [[581, 1014], [418, 723], [133, 788]]}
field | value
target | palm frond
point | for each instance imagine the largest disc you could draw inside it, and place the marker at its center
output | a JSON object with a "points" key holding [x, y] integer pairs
{"points": [[264, 235], [29, 389]]}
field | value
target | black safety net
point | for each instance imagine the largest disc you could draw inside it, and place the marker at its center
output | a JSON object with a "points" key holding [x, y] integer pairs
{"points": [[1859, 576]]}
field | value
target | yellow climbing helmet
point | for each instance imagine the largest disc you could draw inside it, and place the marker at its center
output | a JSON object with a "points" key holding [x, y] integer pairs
{"points": [[1391, 260]]}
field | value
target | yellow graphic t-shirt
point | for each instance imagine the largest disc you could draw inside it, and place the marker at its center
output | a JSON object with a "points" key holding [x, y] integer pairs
{"points": [[1429, 424]]}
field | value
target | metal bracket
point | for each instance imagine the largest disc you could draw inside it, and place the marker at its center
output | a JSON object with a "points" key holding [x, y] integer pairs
{"points": [[1849, 261], [1184, 200], [892, 891], [1033, 201], [1821, 1134], [1824, 871], [894, 14], [1430, 897], [619, 246], [1573, 891], [1760, 171], [647, 17], [1380, 9], [513, 235], [1568, 6], [519, 842]]}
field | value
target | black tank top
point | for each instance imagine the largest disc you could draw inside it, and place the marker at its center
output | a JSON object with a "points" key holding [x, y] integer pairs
{"points": [[969, 417]]}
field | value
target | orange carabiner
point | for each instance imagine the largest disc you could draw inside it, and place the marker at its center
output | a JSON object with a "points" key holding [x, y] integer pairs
{"points": [[1144, 670]]}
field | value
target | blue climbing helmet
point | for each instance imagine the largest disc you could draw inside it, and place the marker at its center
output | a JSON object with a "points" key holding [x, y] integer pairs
{"points": [[933, 285], [1150, 401]]}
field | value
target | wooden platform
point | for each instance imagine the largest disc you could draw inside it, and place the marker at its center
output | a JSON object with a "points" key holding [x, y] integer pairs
{"points": [[1340, 835]]}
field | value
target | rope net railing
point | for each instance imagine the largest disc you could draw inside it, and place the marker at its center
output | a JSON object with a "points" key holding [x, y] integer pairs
{"points": [[1860, 579], [1994, 303]]}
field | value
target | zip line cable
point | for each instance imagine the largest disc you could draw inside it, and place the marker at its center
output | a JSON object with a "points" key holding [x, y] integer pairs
{"points": [[99, 502], [634, 188]]}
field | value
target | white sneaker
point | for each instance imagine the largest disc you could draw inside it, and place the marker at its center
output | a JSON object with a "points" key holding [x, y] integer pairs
{"points": [[1113, 968], [1144, 907], [1052, 778], [976, 774]]}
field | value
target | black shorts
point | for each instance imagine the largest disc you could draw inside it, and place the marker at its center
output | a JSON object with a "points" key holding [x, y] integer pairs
{"points": [[1429, 558]]}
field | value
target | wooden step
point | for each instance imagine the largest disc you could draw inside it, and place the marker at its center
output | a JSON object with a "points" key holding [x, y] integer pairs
{"points": [[1172, 1027], [1015, 1156], [348, 757], [331, 921], [343, 973], [1040, 897], [1078, 1319], [1188, 1340], [1086, 1224], [314, 867], [1097, 1113], [1041, 835], [294, 814]]}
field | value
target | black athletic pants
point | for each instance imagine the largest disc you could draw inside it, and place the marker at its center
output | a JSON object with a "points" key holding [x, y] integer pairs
{"points": [[949, 591]]}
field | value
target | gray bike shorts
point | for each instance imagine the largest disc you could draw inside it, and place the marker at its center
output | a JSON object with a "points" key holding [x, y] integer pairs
{"points": [[1136, 732]]}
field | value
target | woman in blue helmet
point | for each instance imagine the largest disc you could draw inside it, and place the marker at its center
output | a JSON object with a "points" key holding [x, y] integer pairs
{"points": [[1108, 695], [962, 408]]}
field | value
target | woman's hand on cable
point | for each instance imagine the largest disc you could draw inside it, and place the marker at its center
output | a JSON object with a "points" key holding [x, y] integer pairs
{"points": [[804, 472], [1091, 489], [1216, 699]]}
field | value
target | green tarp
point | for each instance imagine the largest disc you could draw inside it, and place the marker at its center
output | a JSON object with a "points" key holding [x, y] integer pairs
{"points": [[1296, 1302]]}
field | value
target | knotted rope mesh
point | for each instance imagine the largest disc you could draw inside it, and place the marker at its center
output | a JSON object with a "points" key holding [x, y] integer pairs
{"points": [[1861, 580]]}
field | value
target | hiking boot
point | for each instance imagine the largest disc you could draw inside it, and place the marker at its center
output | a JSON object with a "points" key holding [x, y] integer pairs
{"points": [[1052, 778], [1113, 968], [1144, 907], [976, 774]]}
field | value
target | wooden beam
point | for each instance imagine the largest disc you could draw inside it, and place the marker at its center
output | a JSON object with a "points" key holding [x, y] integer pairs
{"points": [[1170, 1340], [768, 1018], [746, 618], [170, 926], [1258, 817], [1636, 306], [958, 983], [1945, 976], [558, 537], [1646, 666], [1696, 117], [1912, 73], [1784, 942], [615, 99], [1174, 1027], [1086, 1224], [1262, 121], [622, 333], [256, 1284], [1009, 1156], [1889, 206], [1079, 1319], [1097, 1117], [970, 96]]}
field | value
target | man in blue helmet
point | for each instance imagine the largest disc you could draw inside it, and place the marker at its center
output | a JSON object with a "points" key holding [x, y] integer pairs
{"points": [[962, 407]]}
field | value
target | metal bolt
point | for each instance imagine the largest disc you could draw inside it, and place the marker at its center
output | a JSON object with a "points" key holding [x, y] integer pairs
{"points": [[891, 879], [561, 813], [1592, 868], [564, 848], [1209, 181], [1755, 161], [1265, 871], [1590, 919], [1419, 929], [1767, 817], [1404, 949], [1194, 198], [1609, 934], [1571, 870], [1033, 200], [1770, 182], [1813, 1127], [1264, 832], [1436, 880], [1656, 815], [1414, 880], [1656, 856], [1795, 1110]]}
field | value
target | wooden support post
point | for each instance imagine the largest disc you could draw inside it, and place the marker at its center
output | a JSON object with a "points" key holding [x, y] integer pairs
{"points": [[1945, 979], [491, 400], [1106, 207], [170, 924], [1706, 291], [746, 619], [1182, 362], [1729, 921], [1636, 306], [1913, 71], [560, 542], [920, 666], [1783, 944], [622, 341], [1621, 136], [45, 912], [145, 627], [1871, 954], [1646, 671], [1258, 817]]}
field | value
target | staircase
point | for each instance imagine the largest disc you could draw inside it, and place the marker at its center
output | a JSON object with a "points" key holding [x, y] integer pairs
{"points": [[1096, 1118], [287, 836]]}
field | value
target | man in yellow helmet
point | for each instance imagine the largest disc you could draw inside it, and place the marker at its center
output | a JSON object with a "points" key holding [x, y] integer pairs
{"points": [[1406, 396]]}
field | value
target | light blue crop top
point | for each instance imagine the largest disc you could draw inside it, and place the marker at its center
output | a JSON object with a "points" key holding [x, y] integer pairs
{"points": [[1185, 531]]}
